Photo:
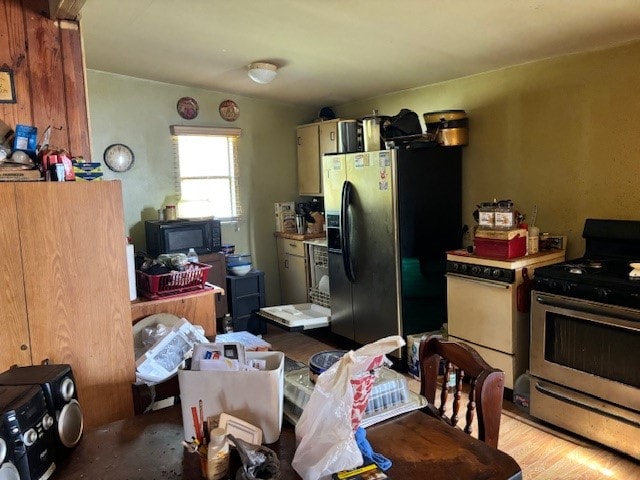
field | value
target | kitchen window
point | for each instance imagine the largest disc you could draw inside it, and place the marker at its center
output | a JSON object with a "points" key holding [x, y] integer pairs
{"points": [[207, 172]]}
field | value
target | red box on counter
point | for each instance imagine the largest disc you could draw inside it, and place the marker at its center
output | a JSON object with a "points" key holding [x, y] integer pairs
{"points": [[500, 244]]}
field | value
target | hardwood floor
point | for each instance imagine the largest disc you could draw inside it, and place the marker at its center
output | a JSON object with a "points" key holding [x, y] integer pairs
{"points": [[543, 452]]}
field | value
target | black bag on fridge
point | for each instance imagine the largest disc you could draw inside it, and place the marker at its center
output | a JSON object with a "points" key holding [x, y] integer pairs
{"points": [[404, 123]]}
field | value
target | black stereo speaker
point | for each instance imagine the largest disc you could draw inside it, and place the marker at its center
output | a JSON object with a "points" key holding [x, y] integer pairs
{"points": [[58, 386], [27, 437]]}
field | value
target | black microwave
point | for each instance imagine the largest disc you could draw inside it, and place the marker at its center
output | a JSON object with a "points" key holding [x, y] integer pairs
{"points": [[178, 236]]}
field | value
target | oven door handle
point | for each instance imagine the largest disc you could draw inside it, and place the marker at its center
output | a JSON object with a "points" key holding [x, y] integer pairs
{"points": [[625, 317], [480, 281]]}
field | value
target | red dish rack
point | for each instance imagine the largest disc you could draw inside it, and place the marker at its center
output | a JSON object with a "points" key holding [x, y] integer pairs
{"points": [[172, 283]]}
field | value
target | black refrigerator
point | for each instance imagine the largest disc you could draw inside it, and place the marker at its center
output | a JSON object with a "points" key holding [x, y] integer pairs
{"points": [[391, 215]]}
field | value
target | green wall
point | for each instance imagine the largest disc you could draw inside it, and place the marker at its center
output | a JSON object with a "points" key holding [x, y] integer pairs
{"points": [[562, 134], [138, 113]]}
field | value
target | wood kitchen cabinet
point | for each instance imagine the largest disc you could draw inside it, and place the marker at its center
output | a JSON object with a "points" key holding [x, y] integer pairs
{"points": [[64, 288], [217, 276], [197, 307], [293, 269], [313, 141]]}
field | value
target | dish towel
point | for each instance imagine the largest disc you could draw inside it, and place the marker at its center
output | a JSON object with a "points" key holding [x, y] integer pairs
{"points": [[368, 455]]}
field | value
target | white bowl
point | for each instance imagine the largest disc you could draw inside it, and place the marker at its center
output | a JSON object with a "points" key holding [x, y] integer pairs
{"points": [[240, 270]]}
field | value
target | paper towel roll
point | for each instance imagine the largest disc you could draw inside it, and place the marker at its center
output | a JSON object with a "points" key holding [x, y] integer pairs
{"points": [[131, 270]]}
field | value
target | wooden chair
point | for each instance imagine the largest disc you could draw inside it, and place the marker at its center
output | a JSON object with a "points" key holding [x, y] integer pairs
{"points": [[486, 386]]}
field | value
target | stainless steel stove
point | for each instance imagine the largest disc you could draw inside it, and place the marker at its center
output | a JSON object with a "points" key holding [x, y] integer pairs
{"points": [[585, 338]]}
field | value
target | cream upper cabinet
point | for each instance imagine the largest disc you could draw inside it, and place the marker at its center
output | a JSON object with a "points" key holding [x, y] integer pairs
{"points": [[314, 140], [292, 264]]}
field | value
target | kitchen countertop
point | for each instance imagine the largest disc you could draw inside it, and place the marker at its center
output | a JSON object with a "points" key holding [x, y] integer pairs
{"points": [[298, 236], [322, 241], [513, 263]]}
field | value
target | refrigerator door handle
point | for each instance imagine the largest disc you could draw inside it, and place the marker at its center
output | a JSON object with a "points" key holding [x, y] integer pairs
{"points": [[345, 239]]}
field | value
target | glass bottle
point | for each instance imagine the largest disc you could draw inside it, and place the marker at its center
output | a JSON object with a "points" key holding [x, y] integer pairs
{"points": [[227, 323], [192, 256], [486, 215], [217, 454], [505, 215]]}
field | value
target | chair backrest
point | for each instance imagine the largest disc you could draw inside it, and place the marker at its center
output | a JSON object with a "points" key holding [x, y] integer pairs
{"points": [[486, 386]]}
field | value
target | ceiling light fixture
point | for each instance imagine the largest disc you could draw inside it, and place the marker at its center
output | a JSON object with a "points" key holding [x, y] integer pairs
{"points": [[262, 72]]}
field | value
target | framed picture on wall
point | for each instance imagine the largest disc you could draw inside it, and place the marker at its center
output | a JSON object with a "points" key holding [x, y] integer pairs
{"points": [[7, 89]]}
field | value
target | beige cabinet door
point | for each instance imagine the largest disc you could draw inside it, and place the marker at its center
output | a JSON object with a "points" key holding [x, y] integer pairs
{"points": [[75, 278], [292, 262], [328, 137], [309, 180], [13, 313]]}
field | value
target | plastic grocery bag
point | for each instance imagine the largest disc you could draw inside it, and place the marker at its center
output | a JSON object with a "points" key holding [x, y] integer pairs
{"points": [[326, 429]]}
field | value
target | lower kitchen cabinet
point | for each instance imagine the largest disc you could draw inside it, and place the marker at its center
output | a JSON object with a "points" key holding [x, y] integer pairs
{"points": [[217, 276], [197, 307], [245, 297], [292, 266]]}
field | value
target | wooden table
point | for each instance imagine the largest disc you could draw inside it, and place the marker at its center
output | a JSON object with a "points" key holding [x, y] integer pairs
{"points": [[148, 447]]}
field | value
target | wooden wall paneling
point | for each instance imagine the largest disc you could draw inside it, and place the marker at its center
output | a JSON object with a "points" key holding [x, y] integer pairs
{"points": [[13, 313], [73, 250], [74, 86], [13, 54], [47, 77]]}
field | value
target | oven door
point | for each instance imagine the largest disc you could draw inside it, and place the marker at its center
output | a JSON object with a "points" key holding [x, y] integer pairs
{"points": [[587, 346], [481, 311]]}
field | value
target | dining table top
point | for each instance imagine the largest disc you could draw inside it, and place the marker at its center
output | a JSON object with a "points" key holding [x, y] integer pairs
{"points": [[149, 447]]}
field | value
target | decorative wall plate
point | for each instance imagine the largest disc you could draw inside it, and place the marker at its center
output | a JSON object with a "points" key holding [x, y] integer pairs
{"points": [[187, 108], [229, 110], [118, 157]]}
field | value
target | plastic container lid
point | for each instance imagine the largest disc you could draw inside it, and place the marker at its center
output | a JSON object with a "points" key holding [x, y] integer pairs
{"points": [[390, 389], [322, 361]]}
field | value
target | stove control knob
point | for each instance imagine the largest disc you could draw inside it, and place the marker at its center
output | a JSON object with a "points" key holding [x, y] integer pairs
{"points": [[475, 269], [495, 273], [455, 266], [463, 267], [603, 292], [486, 271]]}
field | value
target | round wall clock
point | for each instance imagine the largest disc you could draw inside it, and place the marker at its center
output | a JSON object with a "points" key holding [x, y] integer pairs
{"points": [[229, 110], [187, 108], [118, 157]]}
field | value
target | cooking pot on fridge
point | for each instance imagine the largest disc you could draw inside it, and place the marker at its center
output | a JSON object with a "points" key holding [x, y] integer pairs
{"points": [[372, 131], [448, 127], [347, 136]]}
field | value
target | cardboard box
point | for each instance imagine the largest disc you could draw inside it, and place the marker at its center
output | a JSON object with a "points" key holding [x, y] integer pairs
{"points": [[88, 176], [500, 244], [88, 167], [253, 396], [10, 175], [413, 350], [285, 217]]}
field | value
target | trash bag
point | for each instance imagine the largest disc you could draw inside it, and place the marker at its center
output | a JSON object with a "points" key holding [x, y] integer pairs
{"points": [[325, 432]]}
